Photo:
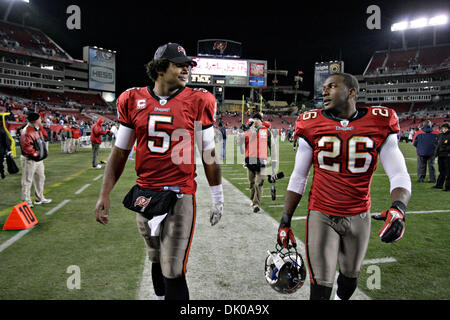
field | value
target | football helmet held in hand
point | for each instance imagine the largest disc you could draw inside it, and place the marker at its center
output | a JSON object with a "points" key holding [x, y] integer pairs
{"points": [[285, 270]]}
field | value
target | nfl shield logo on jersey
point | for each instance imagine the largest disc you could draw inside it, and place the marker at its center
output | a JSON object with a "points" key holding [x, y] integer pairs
{"points": [[344, 123]]}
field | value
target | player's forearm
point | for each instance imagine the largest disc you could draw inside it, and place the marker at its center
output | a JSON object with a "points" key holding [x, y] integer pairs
{"points": [[401, 194], [213, 170], [291, 202], [113, 171]]}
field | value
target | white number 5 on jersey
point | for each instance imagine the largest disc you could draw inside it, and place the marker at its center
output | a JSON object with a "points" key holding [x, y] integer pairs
{"points": [[158, 140]]}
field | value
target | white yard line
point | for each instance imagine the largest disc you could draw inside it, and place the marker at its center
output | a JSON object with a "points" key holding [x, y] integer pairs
{"points": [[21, 233], [10, 241], [82, 188], [59, 206], [380, 260], [97, 177]]}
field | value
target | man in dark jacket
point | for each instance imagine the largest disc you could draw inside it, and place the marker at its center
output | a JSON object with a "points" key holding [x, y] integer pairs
{"points": [[34, 151], [5, 147], [424, 143], [96, 140], [223, 131], [442, 151]]}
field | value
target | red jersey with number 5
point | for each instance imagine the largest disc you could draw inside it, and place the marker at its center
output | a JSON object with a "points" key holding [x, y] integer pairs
{"points": [[165, 130], [345, 156]]}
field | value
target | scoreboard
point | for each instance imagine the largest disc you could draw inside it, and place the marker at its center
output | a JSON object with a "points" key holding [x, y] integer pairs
{"points": [[322, 70], [228, 72]]}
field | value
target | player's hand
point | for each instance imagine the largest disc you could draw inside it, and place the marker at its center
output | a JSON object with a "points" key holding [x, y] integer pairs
{"points": [[394, 227], [216, 213], [102, 210], [285, 233]]}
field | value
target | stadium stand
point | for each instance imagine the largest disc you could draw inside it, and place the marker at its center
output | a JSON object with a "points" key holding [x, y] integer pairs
{"points": [[414, 82], [377, 61], [20, 37], [36, 74]]}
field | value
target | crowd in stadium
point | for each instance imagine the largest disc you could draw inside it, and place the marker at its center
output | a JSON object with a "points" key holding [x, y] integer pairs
{"points": [[56, 118]]}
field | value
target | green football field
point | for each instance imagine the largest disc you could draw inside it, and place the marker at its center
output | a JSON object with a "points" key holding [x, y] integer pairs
{"points": [[40, 263]]}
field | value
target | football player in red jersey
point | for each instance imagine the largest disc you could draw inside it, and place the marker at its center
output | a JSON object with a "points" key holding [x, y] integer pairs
{"points": [[343, 144], [163, 121]]}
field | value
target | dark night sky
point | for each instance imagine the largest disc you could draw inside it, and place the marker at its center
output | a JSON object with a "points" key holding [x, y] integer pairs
{"points": [[295, 33]]}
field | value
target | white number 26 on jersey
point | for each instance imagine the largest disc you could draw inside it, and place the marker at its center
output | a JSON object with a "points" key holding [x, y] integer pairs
{"points": [[352, 156]]}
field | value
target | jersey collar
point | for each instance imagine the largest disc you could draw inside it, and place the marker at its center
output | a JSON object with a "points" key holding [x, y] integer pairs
{"points": [[150, 90], [360, 112]]}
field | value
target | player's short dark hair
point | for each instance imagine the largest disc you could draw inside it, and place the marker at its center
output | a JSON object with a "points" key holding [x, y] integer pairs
{"points": [[350, 81], [155, 66]]}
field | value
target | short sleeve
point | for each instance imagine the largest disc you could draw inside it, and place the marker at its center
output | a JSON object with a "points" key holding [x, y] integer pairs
{"points": [[208, 108], [394, 126], [122, 110], [299, 128]]}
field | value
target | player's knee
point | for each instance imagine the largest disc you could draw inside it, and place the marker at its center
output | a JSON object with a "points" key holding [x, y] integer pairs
{"points": [[346, 286], [172, 268]]}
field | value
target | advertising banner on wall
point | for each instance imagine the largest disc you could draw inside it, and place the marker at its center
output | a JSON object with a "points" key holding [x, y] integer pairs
{"points": [[102, 68]]}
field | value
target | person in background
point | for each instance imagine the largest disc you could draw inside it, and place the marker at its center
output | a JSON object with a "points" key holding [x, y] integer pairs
{"points": [[258, 142], [34, 151], [223, 131], [424, 141], [442, 151], [5, 147], [96, 140]]}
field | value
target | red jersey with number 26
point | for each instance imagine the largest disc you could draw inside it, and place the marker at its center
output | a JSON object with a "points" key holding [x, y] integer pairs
{"points": [[165, 134], [345, 156]]}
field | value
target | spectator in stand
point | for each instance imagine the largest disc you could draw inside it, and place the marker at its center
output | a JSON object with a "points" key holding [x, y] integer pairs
{"points": [[96, 140], [424, 142], [34, 151], [442, 151]]}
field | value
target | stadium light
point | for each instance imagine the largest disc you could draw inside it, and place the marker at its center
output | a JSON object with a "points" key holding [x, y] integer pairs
{"points": [[399, 26], [422, 22], [8, 10], [418, 23], [438, 20]]}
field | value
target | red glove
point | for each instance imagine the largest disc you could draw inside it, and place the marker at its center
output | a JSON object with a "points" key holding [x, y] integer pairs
{"points": [[285, 233], [284, 236], [394, 227]]}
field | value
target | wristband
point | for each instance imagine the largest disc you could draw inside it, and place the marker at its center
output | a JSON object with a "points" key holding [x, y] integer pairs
{"points": [[217, 194], [400, 206]]}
